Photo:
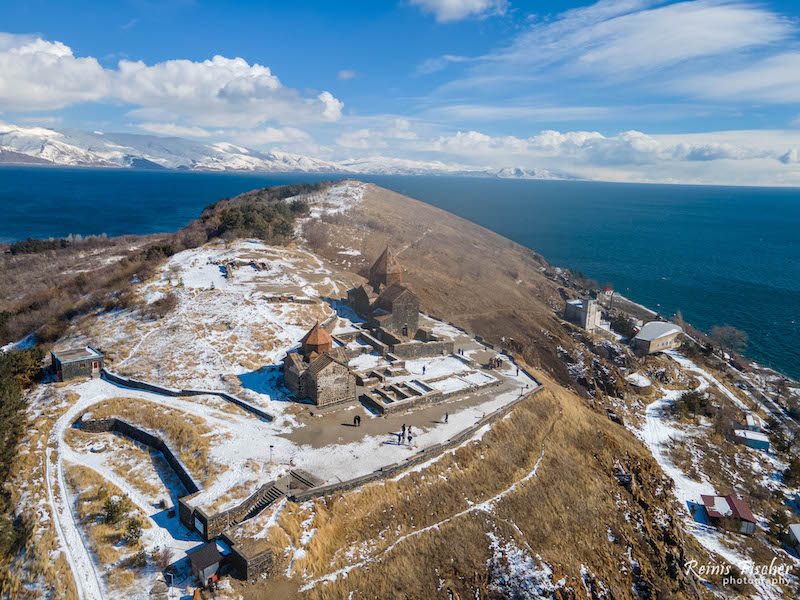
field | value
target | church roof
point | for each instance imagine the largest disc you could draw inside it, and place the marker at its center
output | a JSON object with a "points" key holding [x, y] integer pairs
{"points": [[317, 336], [321, 361], [393, 292], [386, 263]]}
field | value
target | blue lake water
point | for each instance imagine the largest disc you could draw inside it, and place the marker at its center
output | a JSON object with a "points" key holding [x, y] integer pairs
{"points": [[721, 255]]}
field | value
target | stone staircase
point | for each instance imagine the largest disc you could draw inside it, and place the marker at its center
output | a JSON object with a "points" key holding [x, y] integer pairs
{"points": [[297, 479], [272, 495]]}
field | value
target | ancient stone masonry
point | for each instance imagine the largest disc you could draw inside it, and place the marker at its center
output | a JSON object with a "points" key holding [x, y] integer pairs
{"points": [[164, 391], [156, 443], [391, 312], [252, 564], [386, 271], [319, 371]]}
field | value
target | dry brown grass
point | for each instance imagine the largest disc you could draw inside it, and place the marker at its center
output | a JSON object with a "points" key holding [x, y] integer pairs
{"points": [[91, 491], [186, 434]]}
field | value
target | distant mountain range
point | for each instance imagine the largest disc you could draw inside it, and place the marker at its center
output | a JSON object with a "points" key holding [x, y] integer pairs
{"points": [[72, 147]]}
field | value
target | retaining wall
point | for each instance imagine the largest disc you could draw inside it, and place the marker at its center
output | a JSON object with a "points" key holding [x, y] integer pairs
{"points": [[219, 522], [118, 426], [164, 391], [422, 349], [420, 457]]}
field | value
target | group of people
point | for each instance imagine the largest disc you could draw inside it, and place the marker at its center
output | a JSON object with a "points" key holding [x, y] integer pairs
{"points": [[405, 435]]}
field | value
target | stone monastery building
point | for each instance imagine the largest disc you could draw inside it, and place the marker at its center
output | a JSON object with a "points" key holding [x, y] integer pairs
{"points": [[386, 303], [319, 371]]}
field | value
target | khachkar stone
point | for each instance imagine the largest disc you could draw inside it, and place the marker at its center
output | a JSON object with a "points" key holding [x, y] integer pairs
{"points": [[385, 271]]}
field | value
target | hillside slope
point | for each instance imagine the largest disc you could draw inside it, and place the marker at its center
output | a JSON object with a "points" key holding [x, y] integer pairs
{"points": [[534, 507]]}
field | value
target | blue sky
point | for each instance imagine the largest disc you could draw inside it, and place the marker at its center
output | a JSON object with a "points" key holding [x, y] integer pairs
{"points": [[633, 90]]}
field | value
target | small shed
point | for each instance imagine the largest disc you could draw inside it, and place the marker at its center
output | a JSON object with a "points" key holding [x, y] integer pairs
{"points": [[205, 563], [753, 439], [794, 536], [76, 362], [730, 507], [755, 423]]}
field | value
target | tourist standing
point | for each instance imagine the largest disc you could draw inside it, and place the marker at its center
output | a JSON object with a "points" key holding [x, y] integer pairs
{"points": [[445, 417]]}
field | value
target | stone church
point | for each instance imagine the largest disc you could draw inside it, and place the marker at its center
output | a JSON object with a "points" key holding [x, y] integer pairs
{"points": [[386, 303], [318, 371]]}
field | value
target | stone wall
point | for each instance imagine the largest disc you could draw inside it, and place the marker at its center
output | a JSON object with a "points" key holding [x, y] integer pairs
{"points": [[164, 391], [409, 350], [251, 566], [118, 426], [421, 456]]}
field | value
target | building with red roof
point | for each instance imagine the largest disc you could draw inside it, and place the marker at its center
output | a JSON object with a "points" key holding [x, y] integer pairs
{"points": [[730, 507]]}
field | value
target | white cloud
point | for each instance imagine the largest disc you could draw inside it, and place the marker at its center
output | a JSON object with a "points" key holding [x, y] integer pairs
{"points": [[508, 112], [271, 135], [361, 139], [629, 148], [630, 40], [376, 137], [345, 74], [455, 10], [774, 79], [40, 75], [438, 63], [173, 130], [222, 92]]}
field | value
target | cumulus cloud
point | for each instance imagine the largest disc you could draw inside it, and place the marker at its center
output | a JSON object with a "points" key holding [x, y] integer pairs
{"points": [[378, 137], [446, 11], [791, 157], [218, 92], [36, 74], [593, 148], [39, 75]]}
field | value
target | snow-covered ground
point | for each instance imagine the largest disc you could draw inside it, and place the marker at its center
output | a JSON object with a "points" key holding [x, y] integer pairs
{"points": [[226, 334], [658, 433]]}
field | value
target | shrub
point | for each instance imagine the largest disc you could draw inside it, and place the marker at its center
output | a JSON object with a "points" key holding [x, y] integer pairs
{"points": [[623, 325], [726, 422], [162, 307], [692, 402], [791, 476], [138, 560], [316, 234], [114, 509], [778, 525], [163, 558], [133, 530]]}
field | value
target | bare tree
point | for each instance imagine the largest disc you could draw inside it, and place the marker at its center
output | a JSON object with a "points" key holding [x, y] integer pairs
{"points": [[729, 338], [317, 235]]}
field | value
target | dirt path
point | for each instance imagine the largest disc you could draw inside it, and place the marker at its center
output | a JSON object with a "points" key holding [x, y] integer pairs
{"points": [[87, 581]]}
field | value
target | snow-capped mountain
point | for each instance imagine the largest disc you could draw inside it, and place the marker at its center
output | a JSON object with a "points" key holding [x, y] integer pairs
{"points": [[72, 147]]}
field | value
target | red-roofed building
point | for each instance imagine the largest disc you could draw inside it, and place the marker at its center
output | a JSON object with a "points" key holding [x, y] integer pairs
{"points": [[319, 371], [730, 507]]}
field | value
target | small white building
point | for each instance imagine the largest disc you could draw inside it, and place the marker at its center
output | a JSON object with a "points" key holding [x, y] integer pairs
{"points": [[755, 423], [656, 336], [584, 312]]}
